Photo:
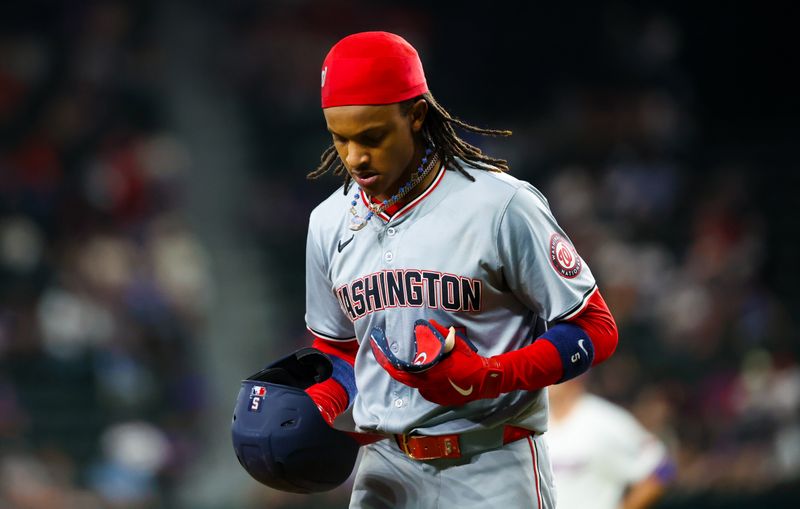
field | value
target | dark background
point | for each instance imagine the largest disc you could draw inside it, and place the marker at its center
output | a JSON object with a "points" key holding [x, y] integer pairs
{"points": [[153, 211]]}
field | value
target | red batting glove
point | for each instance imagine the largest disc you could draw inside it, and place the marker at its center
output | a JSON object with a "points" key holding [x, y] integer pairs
{"points": [[460, 377]]}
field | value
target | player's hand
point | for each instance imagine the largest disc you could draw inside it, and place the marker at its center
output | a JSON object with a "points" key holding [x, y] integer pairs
{"points": [[331, 400], [457, 377]]}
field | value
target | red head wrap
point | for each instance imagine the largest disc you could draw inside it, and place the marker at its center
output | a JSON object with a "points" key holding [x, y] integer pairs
{"points": [[371, 68]]}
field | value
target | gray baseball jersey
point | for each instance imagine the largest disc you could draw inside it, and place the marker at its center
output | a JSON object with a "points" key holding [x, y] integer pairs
{"points": [[486, 257]]}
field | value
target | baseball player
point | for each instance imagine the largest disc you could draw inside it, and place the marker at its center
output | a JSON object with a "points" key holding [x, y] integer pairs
{"points": [[444, 291], [602, 457]]}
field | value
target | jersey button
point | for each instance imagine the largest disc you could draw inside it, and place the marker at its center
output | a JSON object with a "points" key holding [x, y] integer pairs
{"points": [[398, 402], [388, 256], [393, 347], [391, 231]]}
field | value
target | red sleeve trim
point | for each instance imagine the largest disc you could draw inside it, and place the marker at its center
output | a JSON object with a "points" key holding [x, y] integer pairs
{"points": [[595, 318], [318, 334], [346, 350], [579, 308]]}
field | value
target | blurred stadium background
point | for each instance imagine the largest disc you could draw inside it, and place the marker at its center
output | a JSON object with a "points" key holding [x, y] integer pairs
{"points": [[153, 210]]}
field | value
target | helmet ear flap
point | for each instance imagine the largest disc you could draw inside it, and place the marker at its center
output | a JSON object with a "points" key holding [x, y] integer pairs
{"points": [[278, 433]]}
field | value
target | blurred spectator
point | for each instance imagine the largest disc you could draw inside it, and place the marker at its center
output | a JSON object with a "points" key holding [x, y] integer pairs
{"points": [[602, 456], [103, 288]]}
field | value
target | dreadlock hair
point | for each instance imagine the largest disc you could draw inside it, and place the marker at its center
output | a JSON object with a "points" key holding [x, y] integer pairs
{"points": [[439, 130]]}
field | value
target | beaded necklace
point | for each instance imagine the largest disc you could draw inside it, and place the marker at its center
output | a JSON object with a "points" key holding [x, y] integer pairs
{"points": [[357, 222]]}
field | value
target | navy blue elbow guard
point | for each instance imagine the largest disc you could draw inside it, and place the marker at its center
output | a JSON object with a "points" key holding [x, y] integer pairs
{"points": [[574, 347]]}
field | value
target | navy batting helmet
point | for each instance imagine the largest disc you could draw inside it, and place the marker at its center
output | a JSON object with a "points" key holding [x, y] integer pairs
{"points": [[279, 436]]}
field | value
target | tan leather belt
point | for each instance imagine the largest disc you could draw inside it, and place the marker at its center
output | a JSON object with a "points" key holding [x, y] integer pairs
{"points": [[421, 447]]}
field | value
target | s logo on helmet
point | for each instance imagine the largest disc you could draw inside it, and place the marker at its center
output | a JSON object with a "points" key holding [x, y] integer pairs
{"points": [[257, 394], [564, 258]]}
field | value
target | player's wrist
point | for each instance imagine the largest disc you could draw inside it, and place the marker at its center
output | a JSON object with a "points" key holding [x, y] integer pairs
{"points": [[330, 397], [575, 349], [493, 378]]}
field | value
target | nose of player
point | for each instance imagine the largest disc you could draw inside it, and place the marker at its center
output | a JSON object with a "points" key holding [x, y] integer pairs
{"points": [[356, 157]]}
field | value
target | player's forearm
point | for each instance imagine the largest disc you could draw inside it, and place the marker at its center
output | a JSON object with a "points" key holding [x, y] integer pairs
{"points": [[334, 395], [330, 397], [643, 494], [343, 356], [565, 351]]}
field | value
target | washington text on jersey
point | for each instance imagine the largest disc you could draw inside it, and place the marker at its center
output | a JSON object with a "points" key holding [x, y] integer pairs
{"points": [[409, 288]]}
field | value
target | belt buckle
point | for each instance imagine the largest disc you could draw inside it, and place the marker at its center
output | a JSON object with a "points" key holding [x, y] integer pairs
{"points": [[403, 439], [447, 447]]}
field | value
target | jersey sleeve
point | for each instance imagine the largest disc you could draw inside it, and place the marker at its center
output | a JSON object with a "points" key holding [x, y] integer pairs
{"points": [[324, 317], [539, 263], [632, 453]]}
